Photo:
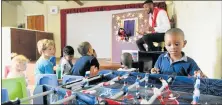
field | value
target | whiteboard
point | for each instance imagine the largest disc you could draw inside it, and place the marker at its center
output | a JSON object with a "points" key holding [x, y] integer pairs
{"points": [[94, 27]]}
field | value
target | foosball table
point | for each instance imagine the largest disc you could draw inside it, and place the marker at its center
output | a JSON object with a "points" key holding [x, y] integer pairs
{"points": [[120, 87]]}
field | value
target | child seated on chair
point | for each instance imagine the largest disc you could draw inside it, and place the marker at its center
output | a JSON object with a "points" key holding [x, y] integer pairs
{"points": [[175, 60], [18, 68], [43, 64], [66, 61], [126, 61], [87, 62]]}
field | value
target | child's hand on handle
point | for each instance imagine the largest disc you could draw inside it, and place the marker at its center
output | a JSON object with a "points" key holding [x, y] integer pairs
{"points": [[202, 75], [155, 71]]}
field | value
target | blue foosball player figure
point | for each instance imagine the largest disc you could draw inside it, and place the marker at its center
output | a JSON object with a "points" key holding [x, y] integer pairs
{"points": [[146, 76], [137, 94], [137, 82], [125, 88]]}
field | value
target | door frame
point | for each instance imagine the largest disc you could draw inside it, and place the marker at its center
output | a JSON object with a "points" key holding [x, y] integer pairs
{"points": [[26, 20]]}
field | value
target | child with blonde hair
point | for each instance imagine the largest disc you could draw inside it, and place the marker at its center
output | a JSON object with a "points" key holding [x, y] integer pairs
{"points": [[18, 67], [46, 50]]}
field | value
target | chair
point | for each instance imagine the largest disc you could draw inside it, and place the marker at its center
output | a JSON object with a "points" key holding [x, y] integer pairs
{"points": [[47, 79], [7, 70], [16, 88], [69, 78], [5, 96]]}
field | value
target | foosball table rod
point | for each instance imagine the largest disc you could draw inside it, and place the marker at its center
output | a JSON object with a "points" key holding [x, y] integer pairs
{"points": [[130, 87]]}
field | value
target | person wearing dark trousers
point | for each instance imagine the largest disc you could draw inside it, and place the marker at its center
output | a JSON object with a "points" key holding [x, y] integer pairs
{"points": [[159, 24]]}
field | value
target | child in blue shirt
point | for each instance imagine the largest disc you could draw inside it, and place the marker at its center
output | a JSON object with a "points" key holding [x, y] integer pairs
{"points": [[46, 50], [175, 61], [87, 62]]}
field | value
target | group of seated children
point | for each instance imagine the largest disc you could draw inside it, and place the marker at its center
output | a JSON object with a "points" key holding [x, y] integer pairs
{"points": [[88, 61], [173, 61]]}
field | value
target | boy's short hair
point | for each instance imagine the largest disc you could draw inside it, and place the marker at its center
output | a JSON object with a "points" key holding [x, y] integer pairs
{"points": [[127, 59], [175, 30], [148, 1], [44, 44], [68, 50], [84, 48]]}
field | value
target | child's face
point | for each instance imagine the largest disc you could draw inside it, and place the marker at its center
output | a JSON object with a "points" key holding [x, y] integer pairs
{"points": [[69, 57], [21, 66], [49, 51], [174, 44]]}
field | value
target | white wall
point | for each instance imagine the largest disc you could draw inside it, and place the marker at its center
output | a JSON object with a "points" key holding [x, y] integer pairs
{"points": [[201, 23], [6, 53], [94, 27], [9, 14]]}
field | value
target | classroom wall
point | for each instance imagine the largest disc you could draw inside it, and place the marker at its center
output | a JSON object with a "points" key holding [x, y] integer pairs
{"points": [[52, 22], [201, 23], [9, 14], [79, 28]]}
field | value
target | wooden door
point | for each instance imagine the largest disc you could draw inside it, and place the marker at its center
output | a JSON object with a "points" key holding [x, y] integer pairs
{"points": [[35, 22]]}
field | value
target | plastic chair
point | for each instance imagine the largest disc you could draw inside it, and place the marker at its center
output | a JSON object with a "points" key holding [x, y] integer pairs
{"points": [[16, 88], [7, 70], [69, 78], [47, 79], [5, 96]]}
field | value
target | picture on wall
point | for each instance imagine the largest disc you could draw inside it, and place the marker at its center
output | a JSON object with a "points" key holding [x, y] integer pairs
{"points": [[127, 24], [128, 28]]}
